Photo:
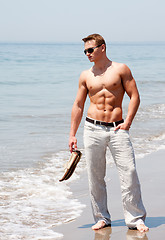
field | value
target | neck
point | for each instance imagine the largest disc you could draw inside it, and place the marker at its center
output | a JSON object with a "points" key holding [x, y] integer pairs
{"points": [[102, 64]]}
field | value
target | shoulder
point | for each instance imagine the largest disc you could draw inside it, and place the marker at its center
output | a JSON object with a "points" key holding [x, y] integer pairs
{"points": [[85, 73], [84, 76], [121, 67], [123, 70]]}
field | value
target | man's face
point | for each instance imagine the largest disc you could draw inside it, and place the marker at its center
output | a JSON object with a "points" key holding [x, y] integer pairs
{"points": [[94, 50]]}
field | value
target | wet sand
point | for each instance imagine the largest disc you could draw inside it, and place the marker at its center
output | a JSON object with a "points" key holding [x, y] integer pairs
{"points": [[151, 172]]}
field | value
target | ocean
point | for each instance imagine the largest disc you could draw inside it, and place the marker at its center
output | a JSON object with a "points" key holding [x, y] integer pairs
{"points": [[38, 85]]}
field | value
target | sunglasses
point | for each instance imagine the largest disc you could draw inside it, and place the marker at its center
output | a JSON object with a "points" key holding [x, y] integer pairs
{"points": [[90, 50]]}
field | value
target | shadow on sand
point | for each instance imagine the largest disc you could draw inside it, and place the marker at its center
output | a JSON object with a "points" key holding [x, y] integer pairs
{"points": [[151, 222], [105, 233]]}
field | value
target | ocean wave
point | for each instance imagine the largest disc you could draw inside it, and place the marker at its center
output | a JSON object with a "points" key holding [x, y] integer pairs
{"points": [[148, 144], [33, 200], [150, 112]]}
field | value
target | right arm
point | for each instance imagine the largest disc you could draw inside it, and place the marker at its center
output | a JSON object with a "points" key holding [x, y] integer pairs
{"points": [[77, 111]]}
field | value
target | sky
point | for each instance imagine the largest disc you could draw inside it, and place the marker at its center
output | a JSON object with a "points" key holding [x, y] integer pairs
{"points": [[71, 20]]}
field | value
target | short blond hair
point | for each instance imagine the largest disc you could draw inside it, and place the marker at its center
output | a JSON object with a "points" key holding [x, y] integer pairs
{"points": [[97, 37]]}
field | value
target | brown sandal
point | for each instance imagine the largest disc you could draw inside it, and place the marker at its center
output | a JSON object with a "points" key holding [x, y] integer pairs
{"points": [[71, 165]]}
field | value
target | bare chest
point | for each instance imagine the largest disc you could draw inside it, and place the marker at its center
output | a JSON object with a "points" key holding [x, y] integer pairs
{"points": [[110, 82]]}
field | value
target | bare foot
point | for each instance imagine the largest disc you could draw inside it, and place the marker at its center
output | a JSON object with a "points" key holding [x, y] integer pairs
{"points": [[142, 228], [99, 225]]}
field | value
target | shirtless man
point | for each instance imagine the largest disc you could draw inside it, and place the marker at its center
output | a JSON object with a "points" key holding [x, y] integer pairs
{"points": [[105, 84]]}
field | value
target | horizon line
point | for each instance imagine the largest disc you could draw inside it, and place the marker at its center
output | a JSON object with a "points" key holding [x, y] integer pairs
{"points": [[76, 42]]}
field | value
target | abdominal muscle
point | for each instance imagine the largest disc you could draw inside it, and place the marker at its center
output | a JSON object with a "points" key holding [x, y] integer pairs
{"points": [[105, 107]]}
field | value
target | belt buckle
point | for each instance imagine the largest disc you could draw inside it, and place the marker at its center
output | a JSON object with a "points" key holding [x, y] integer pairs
{"points": [[96, 122], [106, 124]]}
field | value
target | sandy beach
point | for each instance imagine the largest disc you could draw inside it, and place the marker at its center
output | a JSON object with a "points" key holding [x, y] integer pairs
{"points": [[151, 174]]}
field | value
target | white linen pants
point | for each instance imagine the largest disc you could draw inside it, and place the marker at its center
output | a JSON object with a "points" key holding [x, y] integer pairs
{"points": [[96, 140]]}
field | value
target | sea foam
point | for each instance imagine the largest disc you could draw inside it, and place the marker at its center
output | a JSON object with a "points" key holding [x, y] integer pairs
{"points": [[33, 201]]}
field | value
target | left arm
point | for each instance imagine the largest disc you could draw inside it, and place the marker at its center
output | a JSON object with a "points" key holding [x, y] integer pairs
{"points": [[130, 87]]}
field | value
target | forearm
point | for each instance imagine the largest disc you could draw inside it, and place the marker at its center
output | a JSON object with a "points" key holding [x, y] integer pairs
{"points": [[132, 109], [76, 117]]}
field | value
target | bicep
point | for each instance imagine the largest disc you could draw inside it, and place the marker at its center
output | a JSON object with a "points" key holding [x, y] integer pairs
{"points": [[129, 83], [82, 92]]}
